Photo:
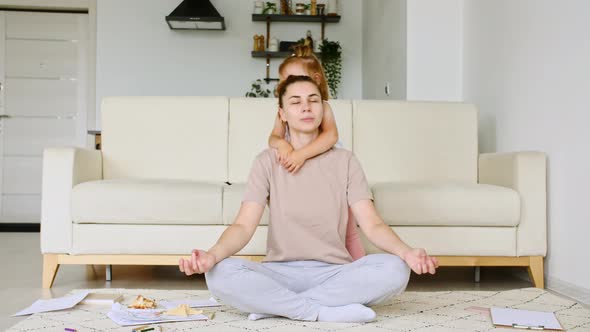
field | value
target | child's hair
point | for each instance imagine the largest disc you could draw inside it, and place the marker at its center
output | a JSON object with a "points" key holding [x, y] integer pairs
{"points": [[303, 54], [282, 87]]}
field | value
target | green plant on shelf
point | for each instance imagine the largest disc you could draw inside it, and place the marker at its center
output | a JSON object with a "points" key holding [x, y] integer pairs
{"points": [[331, 57], [259, 90], [270, 8]]}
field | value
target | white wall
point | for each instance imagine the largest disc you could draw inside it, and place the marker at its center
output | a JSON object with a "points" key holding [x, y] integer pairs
{"points": [[384, 45], [137, 54], [527, 69], [434, 50]]}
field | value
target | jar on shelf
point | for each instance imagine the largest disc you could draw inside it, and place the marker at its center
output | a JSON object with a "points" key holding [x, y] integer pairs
{"points": [[284, 10], [332, 7], [299, 8], [313, 6], [321, 9], [258, 7], [273, 45]]}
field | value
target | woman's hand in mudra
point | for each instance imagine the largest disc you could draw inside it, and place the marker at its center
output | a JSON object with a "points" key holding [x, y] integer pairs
{"points": [[200, 262], [419, 261]]}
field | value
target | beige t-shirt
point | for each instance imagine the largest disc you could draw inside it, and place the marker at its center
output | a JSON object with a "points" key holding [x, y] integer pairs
{"points": [[308, 209]]}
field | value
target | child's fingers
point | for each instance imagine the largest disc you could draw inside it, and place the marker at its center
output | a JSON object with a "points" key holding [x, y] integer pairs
{"points": [[180, 265]]}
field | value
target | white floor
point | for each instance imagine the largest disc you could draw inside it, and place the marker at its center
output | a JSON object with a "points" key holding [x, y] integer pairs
{"points": [[21, 263]]}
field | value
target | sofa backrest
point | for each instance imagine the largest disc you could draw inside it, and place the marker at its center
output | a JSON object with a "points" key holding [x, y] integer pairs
{"points": [[250, 123], [215, 139], [416, 141], [165, 137]]}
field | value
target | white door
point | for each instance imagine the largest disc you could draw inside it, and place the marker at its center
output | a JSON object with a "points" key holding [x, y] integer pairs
{"points": [[42, 101]]}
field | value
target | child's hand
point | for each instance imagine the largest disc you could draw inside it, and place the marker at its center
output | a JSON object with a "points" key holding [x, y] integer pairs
{"points": [[419, 261], [283, 152], [294, 161]]}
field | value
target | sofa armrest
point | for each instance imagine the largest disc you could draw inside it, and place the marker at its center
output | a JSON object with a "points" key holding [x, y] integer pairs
{"points": [[63, 168], [525, 172]]}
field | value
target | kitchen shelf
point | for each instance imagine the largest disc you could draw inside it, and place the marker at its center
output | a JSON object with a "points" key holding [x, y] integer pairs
{"points": [[268, 18], [264, 54], [295, 18]]}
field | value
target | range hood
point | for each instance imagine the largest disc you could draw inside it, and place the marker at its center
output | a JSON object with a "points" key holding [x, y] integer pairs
{"points": [[195, 15]]}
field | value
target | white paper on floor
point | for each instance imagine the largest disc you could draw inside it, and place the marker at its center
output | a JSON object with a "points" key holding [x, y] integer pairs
{"points": [[128, 317], [191, 303], [59, 303]]}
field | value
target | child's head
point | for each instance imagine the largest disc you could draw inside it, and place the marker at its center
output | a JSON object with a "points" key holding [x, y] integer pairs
{"points": [[304, 62], [300, 103]]}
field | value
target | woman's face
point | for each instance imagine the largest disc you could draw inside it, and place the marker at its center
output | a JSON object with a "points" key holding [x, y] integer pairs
{"points": [[294, 69], [302, 107]]}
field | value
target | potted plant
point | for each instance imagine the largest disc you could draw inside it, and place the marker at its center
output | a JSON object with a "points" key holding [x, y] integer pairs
{"points": [[331, 57], [258, 90], [270, 8]]}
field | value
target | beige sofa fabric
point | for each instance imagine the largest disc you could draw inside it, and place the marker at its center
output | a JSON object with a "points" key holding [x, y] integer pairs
{"points": [[250, 122], [63, 168], [132, 201], [155, 239], [159, 184], [232, 200], [165, 138], [434, 204], [457, 241], [416, 141], [525, 172]]}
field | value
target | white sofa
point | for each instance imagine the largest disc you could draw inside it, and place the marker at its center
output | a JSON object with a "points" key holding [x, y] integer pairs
{"points": [[171, 173]]}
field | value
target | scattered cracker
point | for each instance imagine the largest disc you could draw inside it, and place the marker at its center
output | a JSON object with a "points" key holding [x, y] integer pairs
{"points": [[143, 303], [183, 310]]}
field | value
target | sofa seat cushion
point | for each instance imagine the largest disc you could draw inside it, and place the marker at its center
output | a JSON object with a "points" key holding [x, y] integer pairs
{"points": [[146, 201], [419, 204]]}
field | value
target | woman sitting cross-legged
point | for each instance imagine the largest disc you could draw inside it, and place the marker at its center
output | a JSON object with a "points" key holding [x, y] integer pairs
{"points": [[307, 273]]}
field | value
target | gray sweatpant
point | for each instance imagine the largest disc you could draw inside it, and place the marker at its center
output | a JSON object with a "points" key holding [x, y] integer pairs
{"points": [[298, 289]]}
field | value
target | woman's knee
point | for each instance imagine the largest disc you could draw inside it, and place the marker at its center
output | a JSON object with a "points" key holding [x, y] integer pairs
{"points": [[219, 278], [395, 274]]}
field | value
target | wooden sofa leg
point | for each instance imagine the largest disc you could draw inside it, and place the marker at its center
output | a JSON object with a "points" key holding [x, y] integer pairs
{"points": [[50, 267], [535, 270]]}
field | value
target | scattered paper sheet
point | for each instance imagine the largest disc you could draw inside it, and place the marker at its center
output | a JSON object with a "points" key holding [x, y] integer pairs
{"points": [[192, 303], [128, 317], [59, 303], [525, 319]]}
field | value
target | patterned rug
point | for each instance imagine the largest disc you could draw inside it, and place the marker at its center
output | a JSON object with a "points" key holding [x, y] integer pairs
{"points": [[412, 311]]}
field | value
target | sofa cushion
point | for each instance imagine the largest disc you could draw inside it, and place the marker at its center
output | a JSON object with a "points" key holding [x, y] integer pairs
{"points": [[131, 201], [155, 239], [232, 200], [419, 204]]}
